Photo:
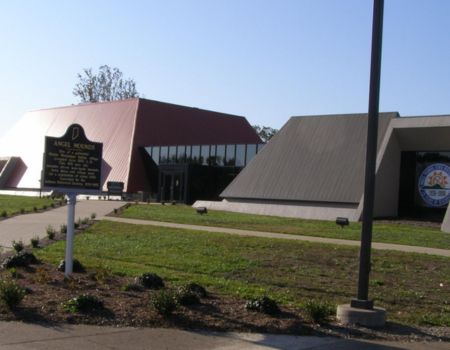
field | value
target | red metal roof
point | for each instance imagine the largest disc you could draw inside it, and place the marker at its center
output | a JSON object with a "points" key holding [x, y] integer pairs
{"points": [[123, 127]]}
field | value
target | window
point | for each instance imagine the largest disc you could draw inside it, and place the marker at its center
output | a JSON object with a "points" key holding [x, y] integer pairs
{"points": [[220, 154], [195, 154], [251, 151], [155, 154], [240, 155], [181, 154], [205, 154], [163, 155], [172, 154], [230, 159]]}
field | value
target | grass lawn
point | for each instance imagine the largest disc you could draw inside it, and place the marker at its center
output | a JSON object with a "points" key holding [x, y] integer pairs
{"points": [[15, 204], [386, 233], [408, 285]]}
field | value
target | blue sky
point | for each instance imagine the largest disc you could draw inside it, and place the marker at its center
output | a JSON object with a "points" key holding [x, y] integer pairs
{"points": [[266, 60]]}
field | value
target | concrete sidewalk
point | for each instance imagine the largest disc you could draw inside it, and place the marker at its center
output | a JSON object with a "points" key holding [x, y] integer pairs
{"points": [[24, 227], [383, 246], [22, 336]]}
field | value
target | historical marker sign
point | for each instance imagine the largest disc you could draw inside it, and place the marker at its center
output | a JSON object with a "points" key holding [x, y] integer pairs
{"points": [[72, 163]]}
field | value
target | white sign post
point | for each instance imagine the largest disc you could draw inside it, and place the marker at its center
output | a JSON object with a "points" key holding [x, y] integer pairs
{"points": [[72, 200]]}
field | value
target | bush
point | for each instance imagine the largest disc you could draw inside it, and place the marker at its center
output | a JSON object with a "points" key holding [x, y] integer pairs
{"points": [[17, 246], [14, 273], [4, 214], [185, 296], [197, 289], [76, 266], [132, 287], [63, 228], [318, 311], [50, 232], [22, 211], [11, 294], [163, 302], [23, 259], [44, 207], [263, 304], [83, 303], [93, 216], [150, 281], [34, 242], [35, 209]]}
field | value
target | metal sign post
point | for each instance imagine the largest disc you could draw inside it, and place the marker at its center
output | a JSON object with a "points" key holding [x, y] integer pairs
{"points": [[72, 200], [72, 165]]}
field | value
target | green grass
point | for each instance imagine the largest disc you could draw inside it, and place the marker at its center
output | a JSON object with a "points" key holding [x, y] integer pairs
{"points": [[291, 272], [14, 204], [382, 232]]}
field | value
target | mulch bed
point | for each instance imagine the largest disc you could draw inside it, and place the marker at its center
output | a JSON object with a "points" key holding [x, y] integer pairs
{"points": [[48, 290]]}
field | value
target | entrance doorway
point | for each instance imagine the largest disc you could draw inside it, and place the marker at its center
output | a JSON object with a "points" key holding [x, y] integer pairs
{"points": [[172, 184]]}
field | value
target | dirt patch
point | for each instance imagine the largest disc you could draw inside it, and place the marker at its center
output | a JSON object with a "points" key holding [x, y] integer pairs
{"points": [[48, 290]]}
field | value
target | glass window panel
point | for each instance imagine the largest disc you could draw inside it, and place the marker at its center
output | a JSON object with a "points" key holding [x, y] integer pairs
{"points": [[251, 151], [155, 154], [188, 154], [220, 154], [260, 146], [212, 155], [240, 155], [172, 154], [181, 154], [205, 154], [195, 154], [163, 155], [230, 156]]}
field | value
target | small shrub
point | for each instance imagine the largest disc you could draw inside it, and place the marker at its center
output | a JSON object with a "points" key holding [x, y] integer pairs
{"points": [[82, 303], [184, 296], [115, 210], [197, 289], [23, 259], [34, 242], [42, 276], [85, 221], [93, 216], [77, 224], [163, 303], [50, 232], [102, 274], [22, 211], [11, 294], [63, 228], [35, 209], [76, 266], [44, 207], [4, 214], [318, 311], [17, 246], [263, 304], [150, 281], [132, 287], [14, 273]]}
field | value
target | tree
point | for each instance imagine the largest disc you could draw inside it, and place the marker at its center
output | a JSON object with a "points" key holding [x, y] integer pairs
{"points": [[265, 132], [106, 85]]}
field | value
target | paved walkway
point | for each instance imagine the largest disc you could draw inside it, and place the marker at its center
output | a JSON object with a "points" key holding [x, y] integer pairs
{"points": [[22, 336], [384, 246], [25, 227]]}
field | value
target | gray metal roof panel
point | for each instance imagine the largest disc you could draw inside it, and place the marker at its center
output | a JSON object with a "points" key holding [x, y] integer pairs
{"points": [[314, 158]]}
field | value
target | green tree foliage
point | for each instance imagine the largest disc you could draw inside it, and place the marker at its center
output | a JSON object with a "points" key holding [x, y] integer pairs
{"points": [[106, 85], [265, 132]]}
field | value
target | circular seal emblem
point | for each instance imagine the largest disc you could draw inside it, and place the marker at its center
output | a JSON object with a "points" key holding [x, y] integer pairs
{"points": [[434, 187]]}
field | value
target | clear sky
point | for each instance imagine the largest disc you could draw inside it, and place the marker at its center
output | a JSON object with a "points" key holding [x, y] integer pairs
{"points": [[265, 59]]}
